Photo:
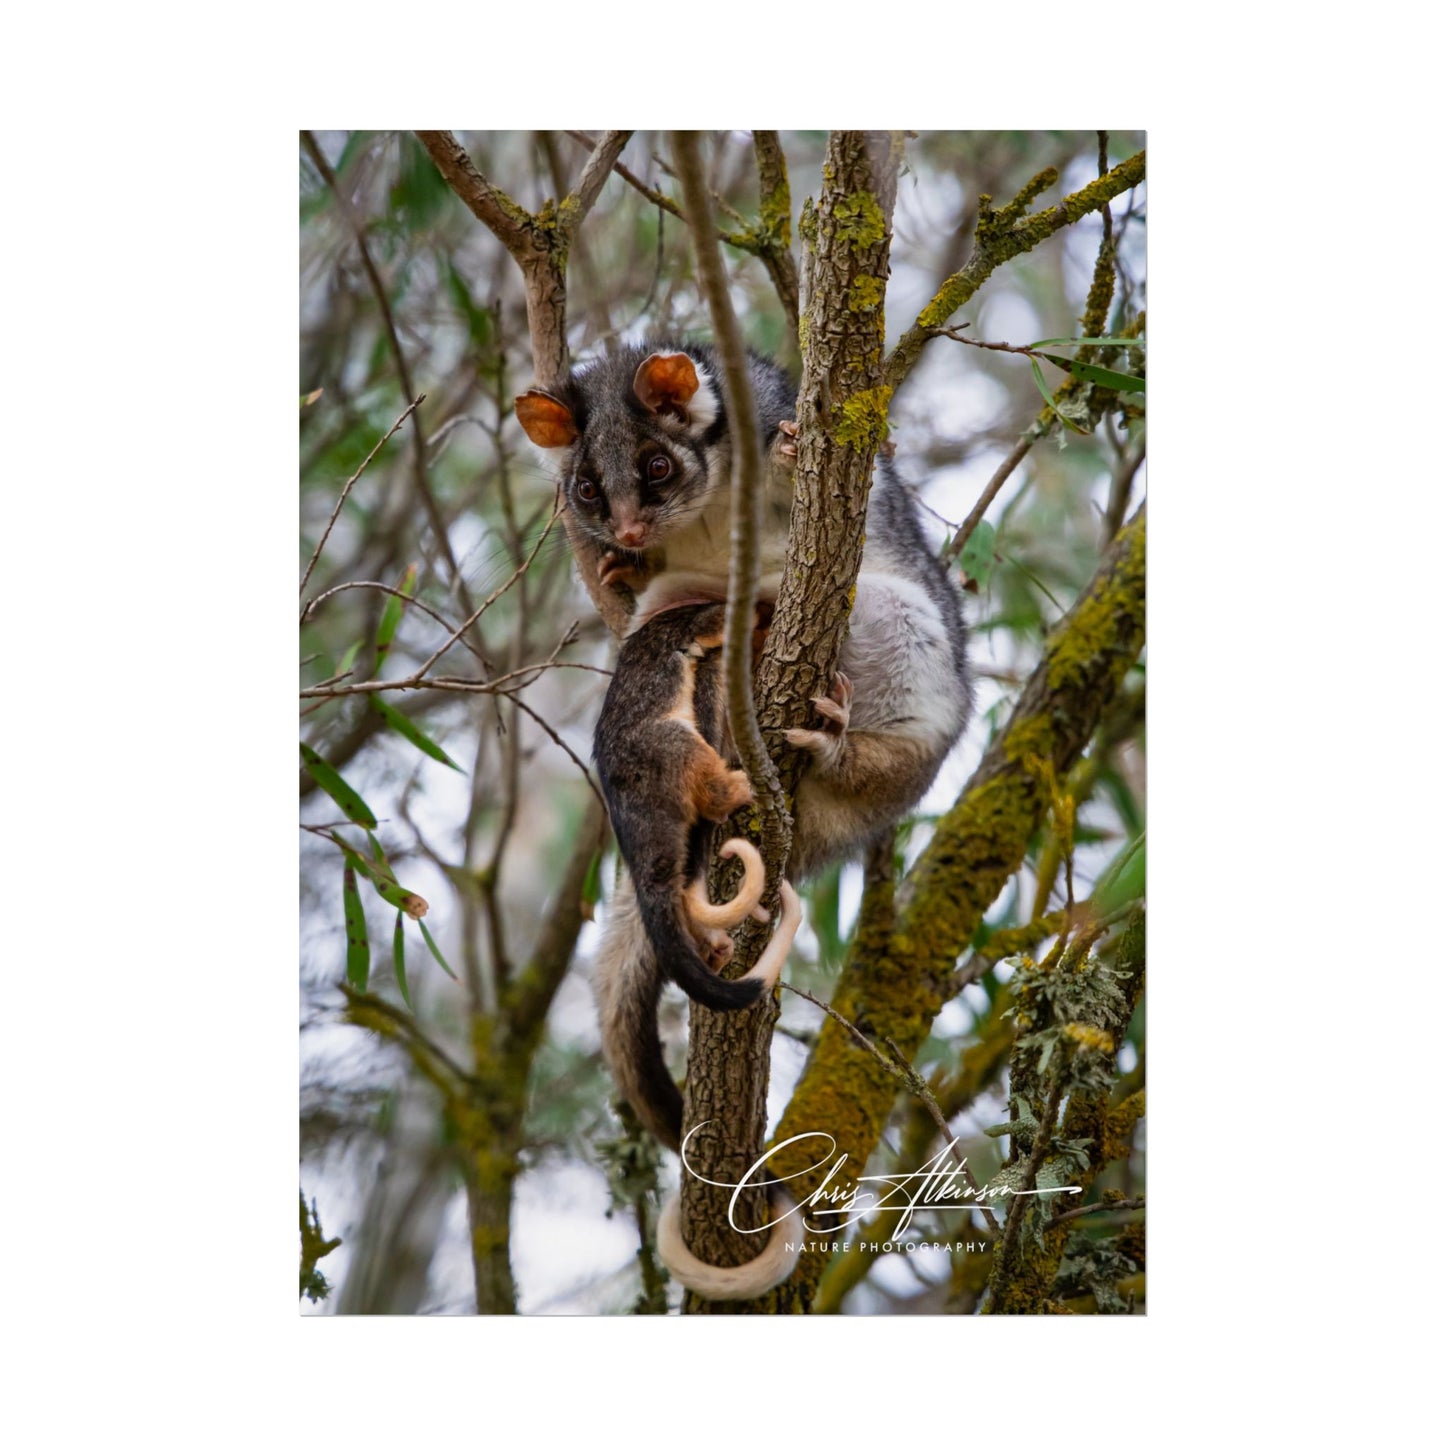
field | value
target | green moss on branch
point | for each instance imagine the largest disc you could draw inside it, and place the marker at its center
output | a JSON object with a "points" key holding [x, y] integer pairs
{"points": [[895, 990]]}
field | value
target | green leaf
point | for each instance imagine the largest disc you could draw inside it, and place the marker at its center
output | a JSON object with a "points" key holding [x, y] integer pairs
{"points": [[411, 732], [1099, 375], [330, 781], [436, 953], [383, 863], [977, 558], [1037, 581], [380, 876], [1123, 880], [479, 320], [592, 883], [348, 658], [398, 958], [391, 616], [358, 947], [1090, 341]]}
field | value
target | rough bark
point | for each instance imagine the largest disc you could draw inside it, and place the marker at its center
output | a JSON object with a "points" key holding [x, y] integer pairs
{"points": [[843, 418], [842, 414]]}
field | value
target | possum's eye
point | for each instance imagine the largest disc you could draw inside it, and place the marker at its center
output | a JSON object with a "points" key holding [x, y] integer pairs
{"points": [[659, 469], [587, 489]]}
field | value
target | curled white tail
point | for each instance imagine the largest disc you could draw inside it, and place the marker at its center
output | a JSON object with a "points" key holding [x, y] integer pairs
{"points": [[745, 1281]]}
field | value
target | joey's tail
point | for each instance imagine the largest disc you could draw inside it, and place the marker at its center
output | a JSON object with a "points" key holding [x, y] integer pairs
{"points": [[670, 918], [665, 919]]}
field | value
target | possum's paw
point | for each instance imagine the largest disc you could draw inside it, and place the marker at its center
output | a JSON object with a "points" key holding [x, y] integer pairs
{"points": [[785, 447], [718, 795], [623, 569], [716, 949], [827, 742]]}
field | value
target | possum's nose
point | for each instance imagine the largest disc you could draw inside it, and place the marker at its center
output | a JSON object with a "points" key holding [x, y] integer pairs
{"points": [[632, 534]]}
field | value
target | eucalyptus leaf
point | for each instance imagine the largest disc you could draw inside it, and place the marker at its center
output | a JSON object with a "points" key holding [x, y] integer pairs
{"points": [[1099, 375], [436, 953], [380, 876], [398, 958], [358, 946], [411, 732], [977, 558], [391, 615], [1090, 341], [348, 658], [332, 783]]}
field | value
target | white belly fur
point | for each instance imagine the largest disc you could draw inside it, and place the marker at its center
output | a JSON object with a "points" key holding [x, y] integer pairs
{"points": [[900, 660]]}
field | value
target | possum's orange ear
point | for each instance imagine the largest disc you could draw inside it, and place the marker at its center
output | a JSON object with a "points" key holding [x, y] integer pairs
{"points": [[666, 381], [546, 420]]}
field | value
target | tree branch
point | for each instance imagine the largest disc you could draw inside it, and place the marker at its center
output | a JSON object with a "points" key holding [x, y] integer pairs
{"points": [[842, 418], [513, 226], [573, 210], [775, 222], [662, 202], [842, 415], [1000, 236]]}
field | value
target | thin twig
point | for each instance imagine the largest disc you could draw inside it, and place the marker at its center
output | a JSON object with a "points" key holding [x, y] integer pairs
{"points": [[500, 591], [391, 592], [492, 686], [403, 1023], [662, 202], [561, 743], [1103, 1206], [346, 491], [985, 500], [574, 209]]}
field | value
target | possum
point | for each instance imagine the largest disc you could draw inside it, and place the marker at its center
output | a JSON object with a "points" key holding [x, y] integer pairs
{"points": [[645, 459]]}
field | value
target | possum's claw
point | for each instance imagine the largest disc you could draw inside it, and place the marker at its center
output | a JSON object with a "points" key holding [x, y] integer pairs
{"points": [[826, 742]]}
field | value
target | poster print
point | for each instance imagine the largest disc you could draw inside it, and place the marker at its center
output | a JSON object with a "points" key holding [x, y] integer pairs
{"points": [[722, 722]]}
